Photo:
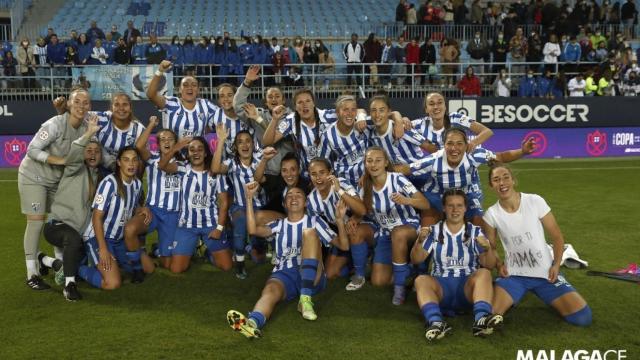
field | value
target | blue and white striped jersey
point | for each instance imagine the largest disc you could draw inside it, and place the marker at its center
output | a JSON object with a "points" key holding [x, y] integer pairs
{"points": [[327, 207], [233, 127], [163, 189], [424, 126], [345, 152], [387, 213], [289, 239], [442, 176], [308, 149], [187, 122], [240, 175], [117, 209], [403, 151], [453, 257], [113, 139], [199, 205]]}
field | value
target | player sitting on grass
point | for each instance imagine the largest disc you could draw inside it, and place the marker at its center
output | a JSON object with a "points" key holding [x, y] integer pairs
{"points": [[456, 281], [298, 270]]}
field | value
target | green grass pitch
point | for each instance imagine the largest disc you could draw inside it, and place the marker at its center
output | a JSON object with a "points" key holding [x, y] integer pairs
{"points": [[597, 203]]}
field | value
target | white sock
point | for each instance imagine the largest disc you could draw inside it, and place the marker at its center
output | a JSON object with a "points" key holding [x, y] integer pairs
{"points": [[69, 279], [58, 251], [32, 268], [48, 261]]}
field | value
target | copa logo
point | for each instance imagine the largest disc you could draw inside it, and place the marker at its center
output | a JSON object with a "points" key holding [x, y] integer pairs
{"points": [[466, 107], [14, 151]]}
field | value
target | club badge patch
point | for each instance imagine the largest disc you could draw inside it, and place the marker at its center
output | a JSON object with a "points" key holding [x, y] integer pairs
{"points": [[35, 206], [43, 135], [99, 199]]}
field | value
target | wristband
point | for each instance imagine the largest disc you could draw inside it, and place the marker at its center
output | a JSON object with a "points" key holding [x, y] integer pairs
{"points": [[159, 73], [341, 192], [260, 120], [220, 227]]}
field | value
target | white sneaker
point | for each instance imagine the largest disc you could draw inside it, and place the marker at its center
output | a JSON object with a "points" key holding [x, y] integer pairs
{"points": [[356, 283]]}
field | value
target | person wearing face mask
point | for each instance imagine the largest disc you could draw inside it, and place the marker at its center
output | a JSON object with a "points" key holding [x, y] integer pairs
{"points": [[632, 68], [26, 63], [591, 85], [572, 53], [551, 52], [576, 86], [502, 84], [246, 52], [477, 48], [597, 38], [528, 85], [500, 49], [189, 53], [545, 84], [469, 85], [631, 85]]}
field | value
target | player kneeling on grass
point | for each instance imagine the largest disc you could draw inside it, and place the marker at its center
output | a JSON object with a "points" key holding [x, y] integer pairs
{"points": [[521, 221], [456, 282], [117, 199], [298, 270]]}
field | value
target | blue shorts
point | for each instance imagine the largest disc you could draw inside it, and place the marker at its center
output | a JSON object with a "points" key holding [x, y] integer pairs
{"points": [[474, 199], [517, 287], [115, 247], [186, 240], [382, 247], [165, 222], [292, 282], [453, 298]]}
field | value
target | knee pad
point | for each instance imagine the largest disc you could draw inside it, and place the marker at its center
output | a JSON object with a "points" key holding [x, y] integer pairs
{"points": [[582, 317]]}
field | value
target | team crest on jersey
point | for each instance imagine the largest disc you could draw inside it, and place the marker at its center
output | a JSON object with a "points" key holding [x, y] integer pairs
{"points": [[35, 206], [201, 116], [99, 199], [409, 188], [43, 135], [129, 140], [282, 127]]}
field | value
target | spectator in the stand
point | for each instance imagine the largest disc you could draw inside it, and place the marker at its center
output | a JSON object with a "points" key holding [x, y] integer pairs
{"points": [[353, 54], [260, 50], [400, 59], [476, 12], [98, 54], [633, 67], [502, 84], [131, 34], [591, 87], [413, 56], [478, 48], [155, 52], [449, 54], [528, 86], [401, 12], [412, 15], [551, 52], [176, 55], [428, 61], [309, 56], [288, 53], [279, 64], [372, 53], [9, 64], [202, 56], [550, 14], [631, 85], [328, 67], [50, 33], [500, 49], [518, 50], [545, 84], [26, 63], [596, 38], [274, 45], [520, 10], [115, 34], [447, 6], [73, 40], [510, 25], [234, 62], [40, 57], [572, 53], [94, 33], [138, 51], [246, 52], [219, 59], [122, 55], [298, 46], [469, 84], [605, 84], [559, 87], [189, 52], [628, 15], [601, 52], [56, 56], [387, 57], [460, 12], [71, 56], [534, 49], [85, 48], [110, 47], [614, 14]]}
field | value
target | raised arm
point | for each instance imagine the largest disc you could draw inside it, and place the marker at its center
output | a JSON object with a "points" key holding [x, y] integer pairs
{"points": [[342, 240], [352, 201], [271, 134], [152, 90], [267, 155], [74, 160], [241, 95], [141, 143], [482, 132], [217, 167], [250, 190], [418, 253], [528, 147]]}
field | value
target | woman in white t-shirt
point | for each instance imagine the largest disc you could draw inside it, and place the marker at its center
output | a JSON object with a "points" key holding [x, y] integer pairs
{"points": [[520, 220]]}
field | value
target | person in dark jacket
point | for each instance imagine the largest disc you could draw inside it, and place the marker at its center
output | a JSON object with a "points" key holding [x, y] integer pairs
{"points": [[499, 49], [428, 60], [154, 52], [94, 33], [84, 49], [131, 34], [372, 53], [122, 55]]}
